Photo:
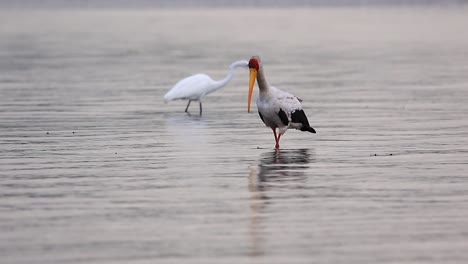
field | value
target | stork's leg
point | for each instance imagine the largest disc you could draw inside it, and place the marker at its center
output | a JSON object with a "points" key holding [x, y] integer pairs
{"points": [[200, 107], [186, 109], [276, 138], [277, 142]]}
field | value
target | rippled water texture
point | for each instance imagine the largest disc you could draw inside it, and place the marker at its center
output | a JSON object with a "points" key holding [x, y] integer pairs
{"points": [[95, 168]]}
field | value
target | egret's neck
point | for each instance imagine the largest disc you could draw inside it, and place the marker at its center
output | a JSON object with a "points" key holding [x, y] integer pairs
{"points": [[228, 78]]}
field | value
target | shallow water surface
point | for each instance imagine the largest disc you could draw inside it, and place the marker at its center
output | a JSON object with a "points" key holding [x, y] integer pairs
{"points": [[95, 168]]}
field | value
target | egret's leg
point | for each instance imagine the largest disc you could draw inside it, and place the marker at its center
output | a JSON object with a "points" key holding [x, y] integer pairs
{"points": [[186, 109], [200, 107]]}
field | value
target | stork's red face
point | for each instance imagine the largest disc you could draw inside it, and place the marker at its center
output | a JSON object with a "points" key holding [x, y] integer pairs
{"points": [[254, 66]]}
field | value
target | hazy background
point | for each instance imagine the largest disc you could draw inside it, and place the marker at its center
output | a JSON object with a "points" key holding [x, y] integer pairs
{"points": [[218, 3]]}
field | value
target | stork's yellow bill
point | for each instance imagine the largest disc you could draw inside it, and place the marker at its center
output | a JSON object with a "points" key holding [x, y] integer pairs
{"points": [[253, 77]]}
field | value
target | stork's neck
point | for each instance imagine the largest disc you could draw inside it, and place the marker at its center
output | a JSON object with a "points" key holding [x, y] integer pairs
{"points": [[261, 80], [228, 78]]}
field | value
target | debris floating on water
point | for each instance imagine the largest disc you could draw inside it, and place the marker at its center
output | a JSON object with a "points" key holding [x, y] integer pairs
{"points": [[375, 155]]}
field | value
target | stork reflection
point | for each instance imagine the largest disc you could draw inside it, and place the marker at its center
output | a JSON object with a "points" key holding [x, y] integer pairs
{"points": [[281, 168], [276, 170]]}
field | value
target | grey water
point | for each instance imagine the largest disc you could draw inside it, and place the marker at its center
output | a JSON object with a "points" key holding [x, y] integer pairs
{"points": [[95, 168]]}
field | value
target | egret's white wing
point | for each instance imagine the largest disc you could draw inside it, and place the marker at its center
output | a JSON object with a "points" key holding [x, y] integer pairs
{"points": [[192, 87]]}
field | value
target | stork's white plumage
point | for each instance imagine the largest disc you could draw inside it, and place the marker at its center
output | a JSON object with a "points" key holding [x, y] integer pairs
{"points": [[277, 109], [195, 87]]}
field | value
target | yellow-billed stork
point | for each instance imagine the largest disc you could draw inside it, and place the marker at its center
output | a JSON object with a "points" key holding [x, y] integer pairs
{"points": [[277, 109]]}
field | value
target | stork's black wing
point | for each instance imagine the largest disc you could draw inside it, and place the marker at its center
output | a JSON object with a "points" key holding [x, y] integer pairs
{"points": [[299, 116], [284, 118]]}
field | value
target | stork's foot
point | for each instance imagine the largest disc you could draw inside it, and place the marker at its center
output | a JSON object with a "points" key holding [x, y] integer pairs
{"points": [[277, 146]]}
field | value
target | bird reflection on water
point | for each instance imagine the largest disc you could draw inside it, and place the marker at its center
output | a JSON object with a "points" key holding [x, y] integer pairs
{"points": [[281, 167], [277, 170]]}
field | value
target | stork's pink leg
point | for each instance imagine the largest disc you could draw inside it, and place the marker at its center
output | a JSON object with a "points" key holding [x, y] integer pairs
{"points": [[276, 138], [277, 141]]}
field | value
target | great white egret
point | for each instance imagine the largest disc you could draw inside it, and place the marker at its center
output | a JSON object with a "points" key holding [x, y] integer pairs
{"points": [[277, 109], [195, 87]]}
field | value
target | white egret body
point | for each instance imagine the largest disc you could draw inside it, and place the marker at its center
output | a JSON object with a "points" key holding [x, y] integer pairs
{"points": [[195, 87], [277, 109]]}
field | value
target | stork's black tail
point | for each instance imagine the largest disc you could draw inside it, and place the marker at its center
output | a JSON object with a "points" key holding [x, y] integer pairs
{"points": [[299, 117], [308, 128]]}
